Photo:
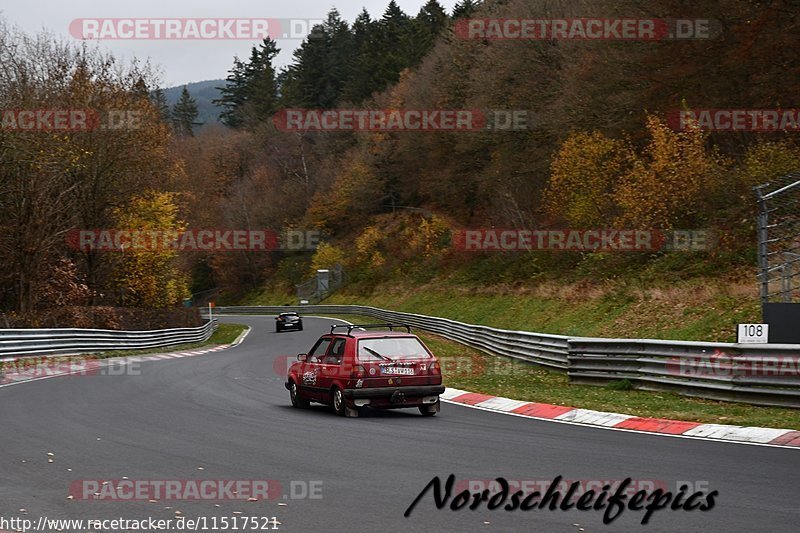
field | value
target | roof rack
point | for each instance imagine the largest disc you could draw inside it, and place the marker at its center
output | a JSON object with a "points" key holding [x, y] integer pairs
{"points": [[351, 327]]}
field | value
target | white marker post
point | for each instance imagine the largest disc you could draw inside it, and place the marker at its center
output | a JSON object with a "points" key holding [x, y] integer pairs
{"points": [[753, 334]]}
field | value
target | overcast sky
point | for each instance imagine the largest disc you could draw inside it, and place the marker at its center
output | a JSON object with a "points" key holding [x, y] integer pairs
{"points": [[184, 61]]}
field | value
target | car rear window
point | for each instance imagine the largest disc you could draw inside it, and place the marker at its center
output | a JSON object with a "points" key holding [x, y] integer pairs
{"points": [[395, 348]]}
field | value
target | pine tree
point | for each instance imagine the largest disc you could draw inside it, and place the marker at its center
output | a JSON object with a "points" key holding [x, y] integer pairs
{"points": [[361, 82], [233, 95], [184, 113], [159, 100], [338, 58], [430, 21], [321, 66], [301, 79], [250, 93], [465, 8], [261, 90], [362, 30], [393, 50]]}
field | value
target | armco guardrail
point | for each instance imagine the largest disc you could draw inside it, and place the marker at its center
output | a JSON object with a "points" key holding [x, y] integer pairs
{"points": [[763, 374], [25, 342], [546, 350]]}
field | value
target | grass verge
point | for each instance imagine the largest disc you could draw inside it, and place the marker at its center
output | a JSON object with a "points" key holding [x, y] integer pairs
{"points": [[225, 334], [699, 310], [472, 370]]}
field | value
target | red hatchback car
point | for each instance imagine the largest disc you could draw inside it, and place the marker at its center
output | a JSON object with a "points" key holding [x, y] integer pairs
{"points": [[359, 368]]}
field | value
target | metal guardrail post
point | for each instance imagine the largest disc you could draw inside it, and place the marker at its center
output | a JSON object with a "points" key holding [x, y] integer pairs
{"points": [[763, 236]]}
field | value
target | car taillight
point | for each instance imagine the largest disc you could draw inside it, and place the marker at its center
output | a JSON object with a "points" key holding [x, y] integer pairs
{"points": [[434, 368], [358, 372]]}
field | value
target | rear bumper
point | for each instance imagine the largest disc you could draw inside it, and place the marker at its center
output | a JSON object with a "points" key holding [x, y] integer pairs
{"points": [[388, 392]]}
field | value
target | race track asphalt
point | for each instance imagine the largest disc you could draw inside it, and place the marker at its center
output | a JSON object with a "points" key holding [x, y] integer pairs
{"points": [[228, 413]]}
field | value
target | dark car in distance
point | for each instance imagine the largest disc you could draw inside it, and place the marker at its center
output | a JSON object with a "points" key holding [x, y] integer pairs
{"points": [[286, 321], [356, 369]]}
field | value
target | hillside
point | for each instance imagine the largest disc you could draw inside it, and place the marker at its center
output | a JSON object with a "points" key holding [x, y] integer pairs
{"points": [[598, 150], [545, 164], [204, 92], [700, 308]]}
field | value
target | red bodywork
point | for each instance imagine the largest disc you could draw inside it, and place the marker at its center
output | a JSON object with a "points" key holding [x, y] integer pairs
{"points": [[335, 362]]}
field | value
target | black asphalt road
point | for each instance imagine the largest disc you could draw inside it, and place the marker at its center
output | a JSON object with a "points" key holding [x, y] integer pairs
{"points": [[229, 414]]}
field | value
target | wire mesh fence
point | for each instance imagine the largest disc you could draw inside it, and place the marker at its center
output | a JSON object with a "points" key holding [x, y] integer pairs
{"points": [[317, 289], [779, 239]]}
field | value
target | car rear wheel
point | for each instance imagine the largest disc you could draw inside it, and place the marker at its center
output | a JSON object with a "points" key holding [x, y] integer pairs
{"points": [[340, 405], [429, 410], [338, 402], [297, 400]]}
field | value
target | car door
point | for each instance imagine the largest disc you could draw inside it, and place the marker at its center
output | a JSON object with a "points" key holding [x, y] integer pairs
{"points": [[330, 367], [309, 379]]}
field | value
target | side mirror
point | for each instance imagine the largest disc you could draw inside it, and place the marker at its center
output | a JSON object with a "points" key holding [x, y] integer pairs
{"points": [[302, 356]]}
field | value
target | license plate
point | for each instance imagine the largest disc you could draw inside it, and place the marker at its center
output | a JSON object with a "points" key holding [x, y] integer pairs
{"points": [[398, 370]]}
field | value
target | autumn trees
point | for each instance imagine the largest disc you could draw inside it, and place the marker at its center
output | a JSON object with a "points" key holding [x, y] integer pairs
{"points": [[150, 277], [600, 181], [57, 179], [596, 149]]}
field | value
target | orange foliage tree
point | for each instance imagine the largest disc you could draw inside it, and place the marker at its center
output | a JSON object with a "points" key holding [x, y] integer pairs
{"points": [[673, 181], [585, 173]]}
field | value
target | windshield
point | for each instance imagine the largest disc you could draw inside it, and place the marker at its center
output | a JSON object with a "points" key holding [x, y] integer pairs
{"points": [[391, 348]]}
